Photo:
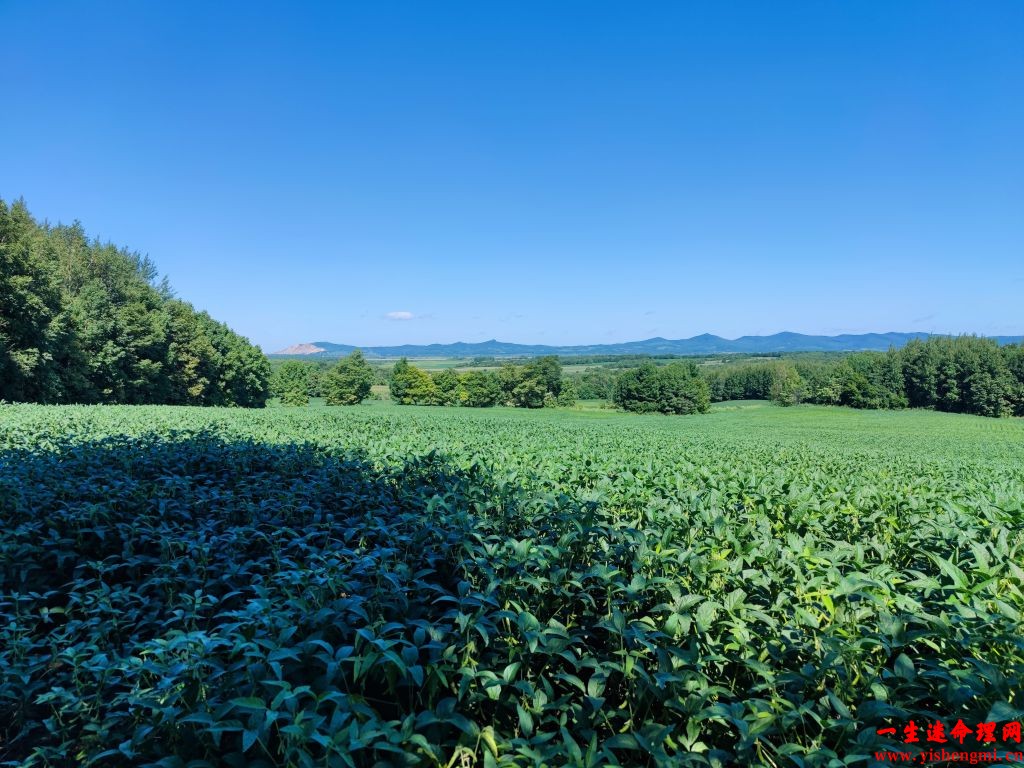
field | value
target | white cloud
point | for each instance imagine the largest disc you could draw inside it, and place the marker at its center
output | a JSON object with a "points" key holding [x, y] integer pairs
{"points": [[402, 315]]}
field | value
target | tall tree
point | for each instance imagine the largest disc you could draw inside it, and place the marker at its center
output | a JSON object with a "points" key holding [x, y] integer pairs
{"points": [[412, 386], [192, 360], [349, 382], [639, 389], [481, 388], [548, 371], [28, 306], [449, 388], [291, 383], [399, 381], [787, 386]]}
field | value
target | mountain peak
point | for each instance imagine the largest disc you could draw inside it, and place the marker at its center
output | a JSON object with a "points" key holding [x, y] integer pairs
{"points": [[301, 349], [705, 344]]}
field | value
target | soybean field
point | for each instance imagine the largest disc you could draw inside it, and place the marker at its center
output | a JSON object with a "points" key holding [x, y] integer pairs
{"points": [[386, 585]]}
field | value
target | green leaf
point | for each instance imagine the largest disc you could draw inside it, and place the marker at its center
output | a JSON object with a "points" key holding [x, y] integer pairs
{"points": [[904, 667], [248, 739], [1002, 712]]}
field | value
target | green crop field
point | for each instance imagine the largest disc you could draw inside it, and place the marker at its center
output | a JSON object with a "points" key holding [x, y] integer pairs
{"points": [[386, 585]]}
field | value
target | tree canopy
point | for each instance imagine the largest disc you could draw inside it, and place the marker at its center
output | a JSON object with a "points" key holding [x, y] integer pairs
{"points": [[291, 382], [88, 322], [674, 388], [348, 382], [537, 384], [960, 374]]}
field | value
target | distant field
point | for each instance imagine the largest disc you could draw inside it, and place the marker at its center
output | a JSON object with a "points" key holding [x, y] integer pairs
{"points": [[430, 363], [572, 365], [357, 586]]}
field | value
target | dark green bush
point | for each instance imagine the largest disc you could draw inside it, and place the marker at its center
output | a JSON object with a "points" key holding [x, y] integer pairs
{"points": [[674, 388]]}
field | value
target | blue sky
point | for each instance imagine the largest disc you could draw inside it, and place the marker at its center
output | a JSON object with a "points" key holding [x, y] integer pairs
{"points": [[574, 172]]}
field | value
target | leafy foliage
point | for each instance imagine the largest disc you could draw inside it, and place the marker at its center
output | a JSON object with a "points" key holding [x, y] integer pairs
{"points": [[787, 387], [963, 374], [348, 382], [412, 386], [326, 587], [674, 388], [536, 384], [449, 388], [597, 384], [481, 387], [291, 382], [84, 322]]}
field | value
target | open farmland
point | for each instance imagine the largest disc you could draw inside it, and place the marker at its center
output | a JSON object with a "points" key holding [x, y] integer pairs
{"points": [[432, 586]]}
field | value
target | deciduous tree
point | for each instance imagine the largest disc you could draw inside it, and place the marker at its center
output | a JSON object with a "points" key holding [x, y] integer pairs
{"points": [[348, 382]]}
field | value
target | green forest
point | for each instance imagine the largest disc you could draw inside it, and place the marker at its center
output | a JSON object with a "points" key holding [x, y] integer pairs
{"points": [[963, 374], [536, 384], [87, 322]]}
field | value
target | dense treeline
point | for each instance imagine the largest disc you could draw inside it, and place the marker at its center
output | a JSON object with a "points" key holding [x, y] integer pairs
{"points": [[964, 374], [595, 383], [312, 373], [740, 382], [537, 384], [674, 388], [86, 322], [610, 361], [346, 382]]}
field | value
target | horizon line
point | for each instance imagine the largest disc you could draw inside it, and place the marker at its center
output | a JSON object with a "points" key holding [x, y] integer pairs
{"points": [[653, 338]]}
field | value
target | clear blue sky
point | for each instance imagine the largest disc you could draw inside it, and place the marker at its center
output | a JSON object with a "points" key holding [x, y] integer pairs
{"points": [[537, 172]]}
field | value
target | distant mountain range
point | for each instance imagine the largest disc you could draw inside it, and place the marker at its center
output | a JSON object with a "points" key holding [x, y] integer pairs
{"points": [[705, 344]]}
